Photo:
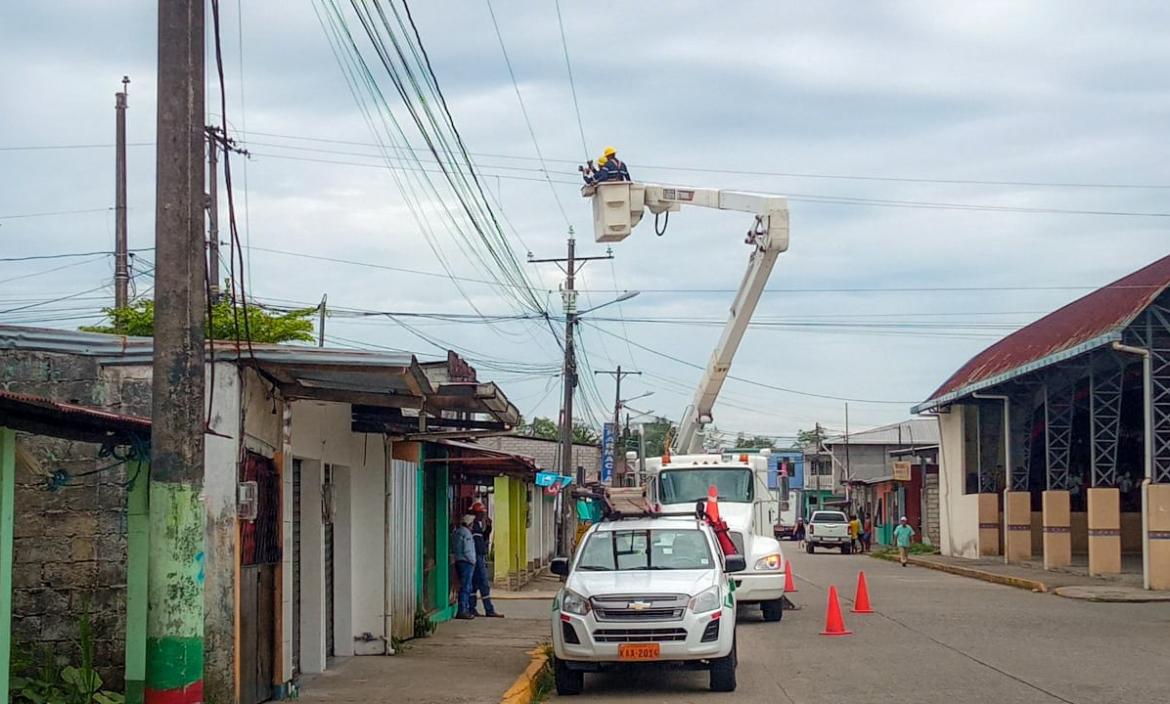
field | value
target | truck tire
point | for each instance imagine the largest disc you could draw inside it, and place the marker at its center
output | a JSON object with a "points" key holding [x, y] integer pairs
{"points": [[846, 549], [723, 672], [772, 610], [568, 682], [809, 548]]}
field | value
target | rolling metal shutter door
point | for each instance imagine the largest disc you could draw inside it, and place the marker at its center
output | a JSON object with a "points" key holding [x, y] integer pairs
{"points": [[403, 546]]}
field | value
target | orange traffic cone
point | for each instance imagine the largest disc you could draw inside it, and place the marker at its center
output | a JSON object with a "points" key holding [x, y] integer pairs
{"points": [[789, 582], [834, 623], [861, 602]]}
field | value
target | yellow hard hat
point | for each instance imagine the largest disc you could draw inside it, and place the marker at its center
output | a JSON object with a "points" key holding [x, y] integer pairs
{"points": [[609, 151], [602, 159]]}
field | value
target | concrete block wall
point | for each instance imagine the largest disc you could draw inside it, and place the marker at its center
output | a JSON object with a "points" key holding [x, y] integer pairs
{"points": [[932, 530], [547, 452], [70, 545]]}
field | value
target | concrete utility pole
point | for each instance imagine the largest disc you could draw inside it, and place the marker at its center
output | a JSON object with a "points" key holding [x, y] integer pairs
{"points": [[569, 376], [121, 248], [174, 635], [213, 213], [321, 320], [617, 374]]}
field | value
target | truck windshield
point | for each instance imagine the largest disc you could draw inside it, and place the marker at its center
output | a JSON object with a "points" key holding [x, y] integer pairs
{"points": [[620, 550], [680, 486]]}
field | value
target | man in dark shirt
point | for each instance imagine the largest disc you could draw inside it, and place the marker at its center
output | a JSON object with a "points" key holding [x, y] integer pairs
{"points": [[481, 532]]}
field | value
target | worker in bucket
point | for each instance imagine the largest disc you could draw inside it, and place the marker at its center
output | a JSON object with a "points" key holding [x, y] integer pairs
{"points": [[589, 171], [613, 169]]}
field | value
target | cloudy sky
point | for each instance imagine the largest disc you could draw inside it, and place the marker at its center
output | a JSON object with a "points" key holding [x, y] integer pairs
{"points": [[882, 121]]}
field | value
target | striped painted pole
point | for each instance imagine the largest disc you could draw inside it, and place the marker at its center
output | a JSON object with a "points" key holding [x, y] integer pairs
{"points": [[174, 622]]}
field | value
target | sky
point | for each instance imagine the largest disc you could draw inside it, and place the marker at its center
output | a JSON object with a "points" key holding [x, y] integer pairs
{"points": [[1051, 112]]}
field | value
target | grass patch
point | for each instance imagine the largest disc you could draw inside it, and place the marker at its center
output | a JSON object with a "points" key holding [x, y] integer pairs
{"points": [[544, 681], [889, 552]]}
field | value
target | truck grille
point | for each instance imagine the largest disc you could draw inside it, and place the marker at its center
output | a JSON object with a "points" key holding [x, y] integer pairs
{"points": [[639, 635], [648, 607]]}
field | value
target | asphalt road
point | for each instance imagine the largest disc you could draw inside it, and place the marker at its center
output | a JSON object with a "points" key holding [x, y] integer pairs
{"points": [[935, 638]]}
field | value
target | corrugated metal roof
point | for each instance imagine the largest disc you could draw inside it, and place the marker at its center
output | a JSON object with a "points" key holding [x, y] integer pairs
{"points": [[1091, 321], [916, 431], [68, 420]]}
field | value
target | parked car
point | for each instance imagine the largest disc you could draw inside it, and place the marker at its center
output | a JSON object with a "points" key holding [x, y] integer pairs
{"points": [[828, 529], [642, 592]]}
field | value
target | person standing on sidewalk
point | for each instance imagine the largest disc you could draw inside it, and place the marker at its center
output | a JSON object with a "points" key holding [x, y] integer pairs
{"points": [[463, 545], [854, 534], [481, 532], [902, 535]]}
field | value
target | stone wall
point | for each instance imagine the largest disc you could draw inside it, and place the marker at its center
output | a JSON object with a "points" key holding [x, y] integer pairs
{"points": [[932, 529], [70, 544]]}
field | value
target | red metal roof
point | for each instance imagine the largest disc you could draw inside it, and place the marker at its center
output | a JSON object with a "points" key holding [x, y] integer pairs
{"points": [[67, 420], [1107, 310]]}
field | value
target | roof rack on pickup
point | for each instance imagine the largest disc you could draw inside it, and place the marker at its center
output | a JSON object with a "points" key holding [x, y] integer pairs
{"points": [[603, 496]]}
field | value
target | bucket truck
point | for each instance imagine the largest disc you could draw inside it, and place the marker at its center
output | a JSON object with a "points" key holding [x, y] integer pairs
{"points": [[679, 479]]}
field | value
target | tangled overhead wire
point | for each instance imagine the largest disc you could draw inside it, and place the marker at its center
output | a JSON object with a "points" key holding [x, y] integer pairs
{"points": [[138, 451]]}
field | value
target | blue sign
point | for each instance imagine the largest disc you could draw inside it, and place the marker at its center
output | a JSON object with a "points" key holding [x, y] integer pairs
{"points": [[547, 478], [608, 439]]}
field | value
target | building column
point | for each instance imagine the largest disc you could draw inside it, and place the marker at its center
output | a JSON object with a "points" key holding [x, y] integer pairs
{"points": [[7, 491], [502, 531], [1104, 522], [988, 525], [1057, 529], [1017, 539], [1156, 505]]}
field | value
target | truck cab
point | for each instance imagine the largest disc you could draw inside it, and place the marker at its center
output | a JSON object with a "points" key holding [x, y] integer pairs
{"points": [[745, 503]]}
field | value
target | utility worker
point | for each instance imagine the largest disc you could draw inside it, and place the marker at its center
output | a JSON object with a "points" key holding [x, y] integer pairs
{"points": [[481, 534], [613, 169]]}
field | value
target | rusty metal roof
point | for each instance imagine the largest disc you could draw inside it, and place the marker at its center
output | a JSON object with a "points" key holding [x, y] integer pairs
{"points": [[477, 459], [44, 416], [1092, 321]]}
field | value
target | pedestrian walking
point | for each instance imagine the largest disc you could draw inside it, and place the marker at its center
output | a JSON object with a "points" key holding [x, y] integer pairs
{"points": [[854, 533], [902, 535], [481, 533], [867, 534], [463, 545]]}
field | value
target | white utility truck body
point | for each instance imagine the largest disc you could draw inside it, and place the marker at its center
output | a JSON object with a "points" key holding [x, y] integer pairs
{"points": [[676, 483]]}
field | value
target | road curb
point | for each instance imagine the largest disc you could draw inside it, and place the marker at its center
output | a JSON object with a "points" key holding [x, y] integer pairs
{"points": [[1032, 585], [523, 690]]}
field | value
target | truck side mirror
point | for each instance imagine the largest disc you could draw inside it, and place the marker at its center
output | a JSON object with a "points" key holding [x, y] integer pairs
{"points": [[734, 563], [560, 566]]}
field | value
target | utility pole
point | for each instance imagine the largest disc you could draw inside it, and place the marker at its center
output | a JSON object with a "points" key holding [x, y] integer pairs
{"points": [[121, 248], [321, 320], [569, 378], [617, 374], [848, 466], [213, 213], [174, 629]]}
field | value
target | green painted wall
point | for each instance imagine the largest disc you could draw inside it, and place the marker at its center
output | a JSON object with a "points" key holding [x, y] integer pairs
{"points": [[137, 564], [7, 490]]}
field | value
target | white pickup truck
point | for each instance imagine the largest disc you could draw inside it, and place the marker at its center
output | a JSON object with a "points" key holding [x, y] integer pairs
{"points": [[828, 529], [645, 591]]}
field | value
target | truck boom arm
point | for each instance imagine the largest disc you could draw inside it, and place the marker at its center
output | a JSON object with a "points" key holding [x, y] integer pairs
{"points": [[618, 207]]}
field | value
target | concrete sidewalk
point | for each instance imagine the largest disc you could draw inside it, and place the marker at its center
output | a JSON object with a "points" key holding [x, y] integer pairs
{"points": [[1029, 575], [463, 662]]}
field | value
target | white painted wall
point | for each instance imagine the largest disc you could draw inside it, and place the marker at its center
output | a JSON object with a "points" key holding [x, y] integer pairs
{"points": [[312, 572], [958, 512], [321, 432]]}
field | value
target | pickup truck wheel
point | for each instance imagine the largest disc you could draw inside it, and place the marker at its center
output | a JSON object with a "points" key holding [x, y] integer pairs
{"points": [[723, 672], [568, 682], [846, 549], [773, 610], [809, 548]]}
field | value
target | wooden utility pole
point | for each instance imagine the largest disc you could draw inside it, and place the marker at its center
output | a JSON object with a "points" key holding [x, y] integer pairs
{"points": [[321, 320], [174, 671], [121, 248], [213, 214]]}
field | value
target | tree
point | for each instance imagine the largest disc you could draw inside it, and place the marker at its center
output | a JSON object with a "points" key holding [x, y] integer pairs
{"points": [[656, 432], [809, 439], [137, 320], [755, 442], [584, 434], [540, 428]]}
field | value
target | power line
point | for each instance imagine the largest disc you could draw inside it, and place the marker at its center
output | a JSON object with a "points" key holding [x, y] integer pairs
{"points": [[54, 212], [572, 84], [524, 110]]}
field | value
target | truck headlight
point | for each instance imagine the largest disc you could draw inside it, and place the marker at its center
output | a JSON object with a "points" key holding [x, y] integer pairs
{"points": [[574, 603], [770, 563], [705, 601]]}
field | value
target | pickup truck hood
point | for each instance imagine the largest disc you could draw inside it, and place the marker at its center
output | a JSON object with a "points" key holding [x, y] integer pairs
{"points": [[692, 582]]}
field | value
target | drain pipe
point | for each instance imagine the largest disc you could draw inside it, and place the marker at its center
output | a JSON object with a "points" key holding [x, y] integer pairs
{"points": [[1148, 436], [1007, 460]]}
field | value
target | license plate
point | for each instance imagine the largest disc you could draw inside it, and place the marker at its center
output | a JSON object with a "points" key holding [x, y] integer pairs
{"points": [[639, 651]]}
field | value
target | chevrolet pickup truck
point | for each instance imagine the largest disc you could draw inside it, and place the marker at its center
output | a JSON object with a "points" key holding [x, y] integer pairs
{"points": [[828, 529], [645, 592]]}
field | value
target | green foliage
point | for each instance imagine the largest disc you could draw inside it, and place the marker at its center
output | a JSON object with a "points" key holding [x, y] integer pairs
{"points": [[547, 429], [45, 681], [137, 320], [809, 439], [656, 432], [755, 442], [423, 625]]}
